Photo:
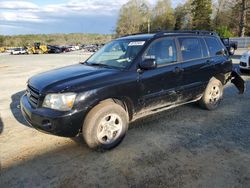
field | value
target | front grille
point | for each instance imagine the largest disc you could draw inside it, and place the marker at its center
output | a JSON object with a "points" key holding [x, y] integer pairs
{"points": [[33, 96], [243, 64]]}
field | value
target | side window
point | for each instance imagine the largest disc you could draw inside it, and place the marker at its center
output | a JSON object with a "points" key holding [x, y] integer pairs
{"points": [[214, 46], [190, 48], [164, 51]]}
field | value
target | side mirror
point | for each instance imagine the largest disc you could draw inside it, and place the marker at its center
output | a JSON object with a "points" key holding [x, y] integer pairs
{"points": [[223, 52], [230, 50], [148, 64]]}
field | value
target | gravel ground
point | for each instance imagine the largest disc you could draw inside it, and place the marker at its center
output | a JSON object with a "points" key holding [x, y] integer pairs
{"points": [[181, 147]]}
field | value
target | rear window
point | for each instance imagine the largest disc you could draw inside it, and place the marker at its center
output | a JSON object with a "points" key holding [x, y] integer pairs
{"points": [[190, 48], [214, 46]]}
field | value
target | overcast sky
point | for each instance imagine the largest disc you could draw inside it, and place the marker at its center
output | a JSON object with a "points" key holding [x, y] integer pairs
{"points": [[60, 16]]}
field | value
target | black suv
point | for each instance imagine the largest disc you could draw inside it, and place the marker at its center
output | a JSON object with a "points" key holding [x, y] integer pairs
{"points": [[128, 78]]}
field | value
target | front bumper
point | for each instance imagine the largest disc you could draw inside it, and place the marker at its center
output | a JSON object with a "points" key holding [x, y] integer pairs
{"points": [[50, 121], [245, 63]]}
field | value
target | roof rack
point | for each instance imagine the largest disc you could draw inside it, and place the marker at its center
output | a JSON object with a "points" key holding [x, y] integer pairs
{"points": [[198, 32], [135, 34]]}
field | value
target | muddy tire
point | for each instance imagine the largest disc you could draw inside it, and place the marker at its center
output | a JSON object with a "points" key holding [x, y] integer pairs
{"points": [[212, 95], [105, 126]]}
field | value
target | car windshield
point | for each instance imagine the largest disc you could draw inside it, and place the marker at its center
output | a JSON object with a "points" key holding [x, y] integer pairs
{"points": [[116, 54]]}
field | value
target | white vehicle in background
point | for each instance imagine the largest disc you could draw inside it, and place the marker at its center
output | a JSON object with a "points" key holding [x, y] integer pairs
{"points": [[18, 51], [77, 47], [10, 50], [245, 61]]}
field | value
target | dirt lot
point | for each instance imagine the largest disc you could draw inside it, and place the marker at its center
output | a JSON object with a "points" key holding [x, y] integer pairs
{"points": [[182, 147]]}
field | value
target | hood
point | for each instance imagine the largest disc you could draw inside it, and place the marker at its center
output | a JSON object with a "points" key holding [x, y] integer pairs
{"points": [[66, 78]]}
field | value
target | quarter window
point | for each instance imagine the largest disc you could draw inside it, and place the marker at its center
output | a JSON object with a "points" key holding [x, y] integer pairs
{"points": [[163, 51], [190, 48]]}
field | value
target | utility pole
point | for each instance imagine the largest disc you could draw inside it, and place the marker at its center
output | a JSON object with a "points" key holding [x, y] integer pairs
{"points": [[149, 25]]}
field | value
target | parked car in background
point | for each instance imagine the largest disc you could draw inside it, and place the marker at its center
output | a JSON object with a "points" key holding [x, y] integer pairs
{"points": [[129, 78], [54, 49], [230, 45], [92, 47], [245, 62], [65, 49], [19, 51]]}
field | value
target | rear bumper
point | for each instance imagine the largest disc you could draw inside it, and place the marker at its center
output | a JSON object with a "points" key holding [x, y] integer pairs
{"points": [[238, 81], [50, 121]]}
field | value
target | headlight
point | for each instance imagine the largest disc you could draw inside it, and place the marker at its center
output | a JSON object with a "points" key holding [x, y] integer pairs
{"points": [[62, 101]]}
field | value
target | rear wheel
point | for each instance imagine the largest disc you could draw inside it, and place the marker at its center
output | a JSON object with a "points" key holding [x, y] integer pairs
{"points": [[105, 126], [212, 95]]}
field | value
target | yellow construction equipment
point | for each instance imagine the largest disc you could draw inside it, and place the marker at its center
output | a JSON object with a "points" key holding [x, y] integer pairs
{"points": [[37, 48], [2, 49]]}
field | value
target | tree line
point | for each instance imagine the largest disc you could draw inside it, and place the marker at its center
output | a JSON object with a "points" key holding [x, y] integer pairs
{"points": [[228, 17], [54, 39]]}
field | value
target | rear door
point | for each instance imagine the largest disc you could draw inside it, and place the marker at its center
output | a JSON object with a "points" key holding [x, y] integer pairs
{"points": [[197, 67]]}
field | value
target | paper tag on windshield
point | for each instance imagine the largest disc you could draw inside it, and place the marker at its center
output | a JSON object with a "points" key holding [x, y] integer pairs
{"points": [[136, 43]]}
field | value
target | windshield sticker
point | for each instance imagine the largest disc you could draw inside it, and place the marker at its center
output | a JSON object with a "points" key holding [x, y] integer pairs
{"points": [[136, 43], [123, 60]]}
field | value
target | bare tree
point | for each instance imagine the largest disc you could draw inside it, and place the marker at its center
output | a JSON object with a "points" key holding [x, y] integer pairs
{"points": [[244, 8]]}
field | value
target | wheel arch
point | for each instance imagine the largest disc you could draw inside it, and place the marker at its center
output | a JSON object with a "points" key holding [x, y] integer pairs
{"points": [[221, 77], [123, 101]]}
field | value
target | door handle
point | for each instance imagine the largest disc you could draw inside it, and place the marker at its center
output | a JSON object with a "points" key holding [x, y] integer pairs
{"points": [[178, 70]]}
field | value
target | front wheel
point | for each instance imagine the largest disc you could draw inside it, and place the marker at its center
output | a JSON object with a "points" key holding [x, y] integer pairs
{"points": [[105, 126], [212, 95]]}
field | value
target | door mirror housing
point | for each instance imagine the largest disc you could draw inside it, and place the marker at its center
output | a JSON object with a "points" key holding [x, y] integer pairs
{"points": [[230, 52], [148, 64]]}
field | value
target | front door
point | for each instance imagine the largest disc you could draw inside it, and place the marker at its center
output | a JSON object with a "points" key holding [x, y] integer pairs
{"points": [[158, 86]]}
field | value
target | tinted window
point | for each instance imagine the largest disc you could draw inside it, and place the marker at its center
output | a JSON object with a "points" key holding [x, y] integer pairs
{"points": [[164, 51], [190, 48], [214, 46]]}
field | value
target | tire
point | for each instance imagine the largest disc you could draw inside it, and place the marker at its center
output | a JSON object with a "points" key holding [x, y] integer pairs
{"points": [[105, 126], [213, 95]]}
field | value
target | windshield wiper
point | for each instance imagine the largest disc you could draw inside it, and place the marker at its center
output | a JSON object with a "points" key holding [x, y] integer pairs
{"points": [[99, 65]]}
